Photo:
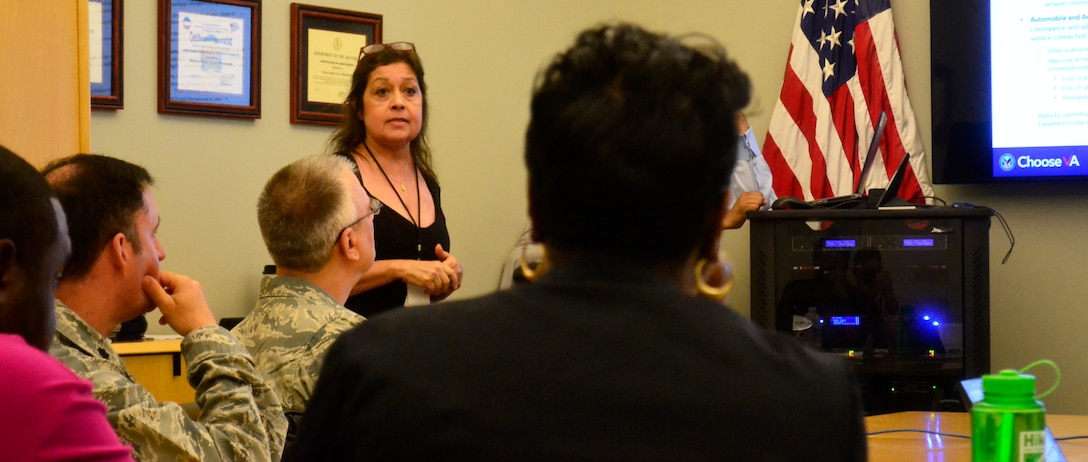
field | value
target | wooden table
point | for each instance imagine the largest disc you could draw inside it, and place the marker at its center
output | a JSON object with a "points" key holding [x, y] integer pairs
{"points": [[921, 447], [157, 364]]}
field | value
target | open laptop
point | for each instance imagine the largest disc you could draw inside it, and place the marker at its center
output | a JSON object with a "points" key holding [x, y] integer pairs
{"points": [[889, 197], [972, 393], [859, 188], [857, 198], [859, 191]]}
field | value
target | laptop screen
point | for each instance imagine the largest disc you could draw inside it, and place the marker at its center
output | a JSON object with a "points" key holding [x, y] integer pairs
{"points": [[891, 193], [871, 154]]}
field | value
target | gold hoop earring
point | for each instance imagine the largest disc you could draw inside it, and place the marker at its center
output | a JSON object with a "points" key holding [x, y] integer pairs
{"points": [[705, 289], [532, 274]]}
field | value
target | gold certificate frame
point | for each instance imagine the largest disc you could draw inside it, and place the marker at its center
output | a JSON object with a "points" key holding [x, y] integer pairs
{"points": [[325, 45]]}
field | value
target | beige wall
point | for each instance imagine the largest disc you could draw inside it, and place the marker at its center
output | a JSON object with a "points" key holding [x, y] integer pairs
{"points": [[480, 57], [44, 93]]}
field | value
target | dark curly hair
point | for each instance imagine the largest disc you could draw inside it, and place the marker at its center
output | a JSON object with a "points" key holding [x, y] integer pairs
{"points": [[26, 212], [631, 142]]}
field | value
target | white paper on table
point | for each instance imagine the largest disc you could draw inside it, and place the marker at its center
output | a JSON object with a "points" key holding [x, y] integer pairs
{"points": [[416, 296]]}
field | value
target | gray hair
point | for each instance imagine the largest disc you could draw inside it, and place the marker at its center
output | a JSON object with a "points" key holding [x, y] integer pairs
{"points": [[302, 210]]}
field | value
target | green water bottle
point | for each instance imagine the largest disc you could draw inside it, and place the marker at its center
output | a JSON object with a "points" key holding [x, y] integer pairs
{"points": [[1009, 424]]}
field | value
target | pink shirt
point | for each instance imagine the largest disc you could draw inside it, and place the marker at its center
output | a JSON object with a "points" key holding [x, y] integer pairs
{"points": [[48, 413]]}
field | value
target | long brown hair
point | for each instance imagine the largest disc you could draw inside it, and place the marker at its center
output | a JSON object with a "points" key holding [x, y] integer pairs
{"points": [[352, 131]]}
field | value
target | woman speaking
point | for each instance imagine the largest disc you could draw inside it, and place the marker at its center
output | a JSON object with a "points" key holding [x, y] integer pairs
{"points": [[384, 131]]}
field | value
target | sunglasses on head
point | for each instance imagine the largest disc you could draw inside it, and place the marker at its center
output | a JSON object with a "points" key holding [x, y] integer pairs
{"points": [[403, 47]]}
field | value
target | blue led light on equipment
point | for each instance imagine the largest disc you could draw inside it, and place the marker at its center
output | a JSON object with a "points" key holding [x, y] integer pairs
{"points": [[918, 242], [840, 243]]}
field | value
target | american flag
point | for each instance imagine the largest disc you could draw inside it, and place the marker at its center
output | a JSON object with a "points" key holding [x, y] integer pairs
{"points": [[843, 70]]}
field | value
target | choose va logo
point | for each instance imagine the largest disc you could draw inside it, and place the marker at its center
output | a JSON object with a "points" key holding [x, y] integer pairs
{"points": [[1006, 162], [1046, 162]]}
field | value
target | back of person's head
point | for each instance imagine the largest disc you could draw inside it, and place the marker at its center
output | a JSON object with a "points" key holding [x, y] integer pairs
{"points": [[302, 210], [867, 263], [28, 232], [867, 257], [101, 196], [631, 142], [352, 130]]}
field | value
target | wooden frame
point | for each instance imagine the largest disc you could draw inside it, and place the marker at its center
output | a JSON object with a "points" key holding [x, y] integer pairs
{"points": [[210, 58], [106, 63], [334, 36]]}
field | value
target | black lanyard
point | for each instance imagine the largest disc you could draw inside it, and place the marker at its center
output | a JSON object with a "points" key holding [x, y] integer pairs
{"points": [[415, 220]]}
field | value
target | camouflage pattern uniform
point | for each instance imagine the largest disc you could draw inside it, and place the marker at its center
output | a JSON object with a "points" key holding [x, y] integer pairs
{"points": [[294, 324], [240, 416]]}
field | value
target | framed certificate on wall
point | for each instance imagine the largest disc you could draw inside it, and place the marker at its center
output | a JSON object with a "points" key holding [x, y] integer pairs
{"points": [[325, 47], [210, 58], [106, 59]]}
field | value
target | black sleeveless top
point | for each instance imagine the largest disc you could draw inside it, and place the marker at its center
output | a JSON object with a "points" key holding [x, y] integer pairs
{"points": [[395, 239]]}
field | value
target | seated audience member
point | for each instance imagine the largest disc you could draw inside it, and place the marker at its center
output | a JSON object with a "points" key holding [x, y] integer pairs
{"points": [[48, 412], [621, 350], [113, 276], [317, 223]]}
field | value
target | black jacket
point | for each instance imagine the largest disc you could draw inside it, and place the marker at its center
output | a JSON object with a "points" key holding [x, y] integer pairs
{"points": [[589, 364]]}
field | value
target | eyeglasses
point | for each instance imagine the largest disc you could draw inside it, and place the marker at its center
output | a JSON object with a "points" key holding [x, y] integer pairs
{"points": [[375, 208], [403, 47]]}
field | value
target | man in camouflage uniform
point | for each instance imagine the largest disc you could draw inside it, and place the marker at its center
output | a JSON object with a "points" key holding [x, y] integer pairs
{"points": [[318, 226], [113, 276]]}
